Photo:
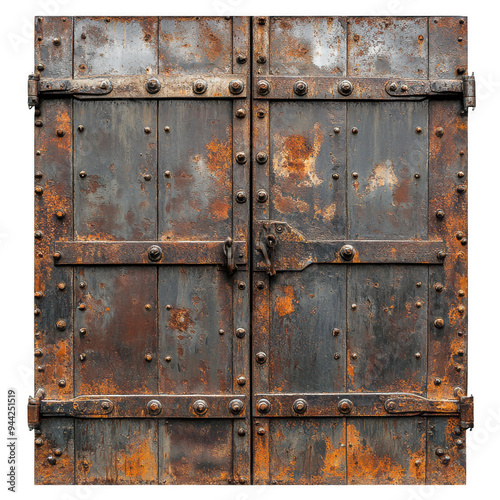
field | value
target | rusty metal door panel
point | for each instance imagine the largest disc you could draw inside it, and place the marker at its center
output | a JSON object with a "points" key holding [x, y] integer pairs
{"points": [[353, 369]]}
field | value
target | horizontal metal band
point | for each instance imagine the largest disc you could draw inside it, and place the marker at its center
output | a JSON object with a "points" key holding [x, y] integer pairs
{"points": [[94, 253], [140, 87], [347, 88], [146, 406], [293, 252], [350, 404]]}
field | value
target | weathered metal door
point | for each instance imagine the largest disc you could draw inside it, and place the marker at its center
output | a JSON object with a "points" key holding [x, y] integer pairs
{"points": [[148, 366]]}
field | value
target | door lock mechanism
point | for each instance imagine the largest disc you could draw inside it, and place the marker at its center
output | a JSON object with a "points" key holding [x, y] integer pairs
{"points": [[267, 250]]}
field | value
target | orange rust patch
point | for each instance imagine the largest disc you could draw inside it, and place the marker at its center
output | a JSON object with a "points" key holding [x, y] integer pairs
{"points": [[285, 304], [180, 320], [219, 157], [220, 209], [382, 175], [286, 204]]}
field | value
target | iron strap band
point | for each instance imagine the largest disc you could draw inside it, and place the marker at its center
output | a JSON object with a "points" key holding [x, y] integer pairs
{"points": [[346, 88], [361, 405], [146, 252], [140, 406]]}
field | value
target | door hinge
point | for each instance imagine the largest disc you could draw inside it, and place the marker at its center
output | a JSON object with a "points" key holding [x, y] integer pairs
{"points": [[34, 409], [466, 409], [469, 91]]}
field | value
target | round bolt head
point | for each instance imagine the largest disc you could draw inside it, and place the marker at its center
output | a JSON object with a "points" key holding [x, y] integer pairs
{"points": [[263, 87], [404, 88], [199, 86], [38, 442], [148, 357], [38, 353], [236, 87], [354, 356], [355, 175], [300, 406], [37, 312], [240, 332], [354, 307], [354, 130], [241, 157], [83, 174], [336, 130], [83, 331], [335, 177], [241, 285], [147, 130], [80, 128], [440, 132], [261, 357], [263, 406], [241, 113], [440, 214], [57, 255], [393, 86], [236, 406], [167, 130], [38, 189], [439, 322], [390, 405], [261, 113], [463, 242], [446, 459], [345, 406], [262, 59], [347, 252], [441, 254], [336, 356], [437, 381], [153, 85], [62, 383], [461, 189], [83, 356], [261, 285], [241, 59], [419, 304], [106, 405], [242, 431], [461, 309], [261, 21], [300, 88], [221, 331], [155, 253], [336, 332], [82, 307], [38, 235], [61, 286], [242, 380], [168, 359], [38, 175], [82, 284], [261, 157], [60, 133], [51, 459], [261, 196], [61, 325], [261, 431], [154, 407], [39, 123], [40, 67], [460, 174], [418, 355], [345, 87], [60, 214], [459, 443], [56, 41], [200, 407], [461, 293]]}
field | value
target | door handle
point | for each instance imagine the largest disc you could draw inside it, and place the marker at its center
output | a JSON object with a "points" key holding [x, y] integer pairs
{"points": [[267, 250], [229, 255]]}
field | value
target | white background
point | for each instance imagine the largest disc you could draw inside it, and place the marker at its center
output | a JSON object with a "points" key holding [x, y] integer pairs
{"points": [[16, 239]]}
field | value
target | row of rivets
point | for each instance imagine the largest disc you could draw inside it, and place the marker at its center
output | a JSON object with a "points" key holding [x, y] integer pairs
{"points": [[300, 87]]}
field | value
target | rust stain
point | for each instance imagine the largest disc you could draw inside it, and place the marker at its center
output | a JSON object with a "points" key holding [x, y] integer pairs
{"points": [[286, 204], [220, 209], [297, 158], [138, 462], [180, 320], [285, 304], [382, 175], [219, 157]]}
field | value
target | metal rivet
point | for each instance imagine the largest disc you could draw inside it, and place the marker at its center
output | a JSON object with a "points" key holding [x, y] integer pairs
{"points": [[263, 87], [83, 356], [418, 284], [83, 174], [345, 406], [38, 442], [335, 177], [355, 175], [147, 130], [38, 295], [418, 355], [446, 459], [460, 38], [38, 189], [263, 405], [154, 407], [300, 88], [60, 132], [440, 214], [345, 87], [56, 255], [61, 285], [390, 405], [347, 252], [155, 253], [39, 123], [440, 131], [168, 174], [221, 331], [261, 196], [236, 87], [40, 368], [200, 407], [38, 175], [420, 37], [261, 21], [261, 285], [241, 431], [167, 130], [83, 331], [404, 88], [354, 356], [199, 86], [461, 189], [460, 333], [52, 460], [354, 307], [241, 157], [261, 357], [241, 113], [441, 255], [354, 130], [438, 287], [168, 359], [40, 67], [242, 380], [336, 332], [437, 381], [461, 352], [261, 113], [80, 128], [38, 353], [241, 285], [461, 293], [148, 357], [168, 307], [418, 130], [60, 214], [236, 406], [261, 157], [418, 304], [240, 332], [463, 241], [62, 383], [336, 356], [356, 38], [417, 176], [461, 309], [147, 177], [61, 325], [82, 284], [459, 235], [439, 322], [153, 85], [37, 312], [261, 431], [56, 41], [38, 235], [459, 443], [300, 406], [460, 174], [147, 307], [241, 59], [262, 59], [393, 86]]}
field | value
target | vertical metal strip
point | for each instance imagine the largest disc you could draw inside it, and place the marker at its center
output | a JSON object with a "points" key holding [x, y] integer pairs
{"points": [[261, 281], [53, 220], [447, 221], [241, 282]]}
